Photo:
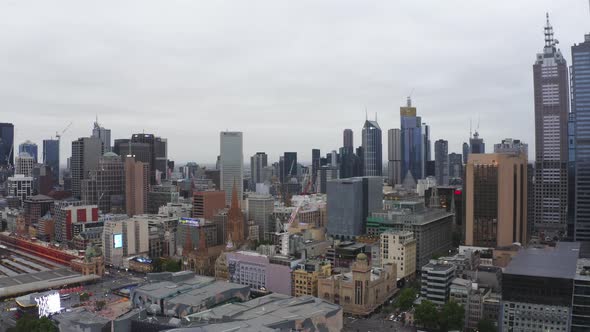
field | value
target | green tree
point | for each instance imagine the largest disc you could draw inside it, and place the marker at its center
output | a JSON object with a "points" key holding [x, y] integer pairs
{"points": [[426, 314], [486, 325], [157, 265], [452, 316], [28, 323], [100, 305], [406, 298], [84, 297]]}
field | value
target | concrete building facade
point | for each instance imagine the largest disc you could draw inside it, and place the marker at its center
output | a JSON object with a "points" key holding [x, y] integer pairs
{"points": [[231, 164], [399, 248]]}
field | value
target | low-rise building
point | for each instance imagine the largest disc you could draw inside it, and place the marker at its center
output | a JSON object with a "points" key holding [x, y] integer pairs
{"points": [[399, 248], [436, 281], [305, 277]]}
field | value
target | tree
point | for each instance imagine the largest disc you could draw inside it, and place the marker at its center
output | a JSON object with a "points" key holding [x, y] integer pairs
{"points": [[452, 316], [28, 323], [157, 265], [426, 314], [406, 298], [100, 305], [486, 325], [84, 297]]}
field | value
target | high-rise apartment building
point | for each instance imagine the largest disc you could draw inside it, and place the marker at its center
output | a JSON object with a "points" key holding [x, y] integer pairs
{"points": [[257, 164], [580, 71], [51, 157], [85, 154], [260, 209], [496, 200], [24, 164], [30, 148], [231, 164], [399, 248], [550, 76], [105, 185], [6, 144], [412, 142], [372, 149], [103, 134], [441, 162], [137, 185], [394, 156]]}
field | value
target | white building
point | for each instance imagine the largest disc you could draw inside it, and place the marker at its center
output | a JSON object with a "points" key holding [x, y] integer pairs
{"points": [[399, 248], [20, 186], [124, 238], [231, 164], [24, 164]]}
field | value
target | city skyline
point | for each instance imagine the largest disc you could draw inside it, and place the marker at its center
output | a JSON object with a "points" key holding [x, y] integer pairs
{"points": [[168, 78]]}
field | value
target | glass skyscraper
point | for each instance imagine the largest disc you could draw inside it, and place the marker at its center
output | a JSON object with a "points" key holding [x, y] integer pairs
{"points": [[413, 142], [51, 157], [30, 148], [6, 144], [580, 84], [372, 149], [231, 164]]}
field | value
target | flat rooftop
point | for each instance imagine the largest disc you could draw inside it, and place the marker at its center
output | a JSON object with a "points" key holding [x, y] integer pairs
{"points": [[31, 282], [558, 262]]}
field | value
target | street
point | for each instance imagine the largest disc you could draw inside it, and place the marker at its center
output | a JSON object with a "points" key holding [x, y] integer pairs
{"points": [[374, 323]]}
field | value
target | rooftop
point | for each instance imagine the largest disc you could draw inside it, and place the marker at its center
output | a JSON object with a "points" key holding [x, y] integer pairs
{"points": [[31, 282], [558, 262]]}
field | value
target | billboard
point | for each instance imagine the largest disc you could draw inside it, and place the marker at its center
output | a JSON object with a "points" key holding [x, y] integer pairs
{"points": [[118, 240], [48, 304], [191, 221]]}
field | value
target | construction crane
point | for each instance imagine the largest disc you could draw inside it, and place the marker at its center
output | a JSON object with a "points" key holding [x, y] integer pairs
{"points": [[58, 135]]}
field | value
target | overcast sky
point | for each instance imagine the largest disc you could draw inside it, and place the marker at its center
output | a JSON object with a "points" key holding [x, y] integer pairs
{"points": [[290, 74]]}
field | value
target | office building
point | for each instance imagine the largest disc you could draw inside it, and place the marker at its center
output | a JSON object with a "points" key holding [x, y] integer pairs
{"points": [[455, 166], [362, 290], [496, 200], [580, 317], [231, 164], [20, 186], [466, 150], [6, 145], [441, 162], [394, 157], [580, 83], [146, 148], [85, 154], [36, 207], [103, 134], [259, 271], [105, 185], [258, 163], [71, 217], [124, 238], [206, 204], [348, 139], [512, 146], [372, 149], [137, 185], [476, 144], [326, 174], [436, 280], [350, 201], [260, 210], [550, 76], [51, 157], [399, 248], [315, 166], [289, 166], [159, 196], [426, 137], [24, 164], [305, 277], [30, 148], [412, 143], [537, 289]]}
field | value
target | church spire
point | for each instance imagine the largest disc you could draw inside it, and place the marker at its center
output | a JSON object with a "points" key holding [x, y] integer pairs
{"points": [[202, 240], [234, 197], [188, 241]]}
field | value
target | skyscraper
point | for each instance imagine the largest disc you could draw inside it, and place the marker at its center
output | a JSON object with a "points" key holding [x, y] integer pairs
{"points": [[51, 157], [394, 156], [30, 148], [257, 164], [6, 144], [441, 162], [580, 79], [290, 164], [550, 76], [103, 134], [137, 185], [466, 150], [412, 142], [372, 149], [231, 164], [455, 166], [476, 144], [427, 145], [146, 148], [24, 164], [105, 185], [315, 165], [348, 141], [85, 154]]}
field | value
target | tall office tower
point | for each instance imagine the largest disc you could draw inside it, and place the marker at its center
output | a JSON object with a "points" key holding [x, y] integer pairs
{"points": [[51, 157], [360, 153], [571, 177], [6, 144], [441, 162], [394, 156], [85, 154], [105, 185], [103, 134], [455, 166], [257, 164], [206, 204], [334, 158], [580, 80], [476, 144], [260, 209], [315, 165], [496, 199], [30, 148], [282, 169], [350, 163], [514, 146], [550, 76], [350, 201], [24, 164], [348, 141], [427, 145], [466, 150], [235, 219], [290, 165], [372, 149], [149, 149], [413, 163], [137, 185], [231, 164]]}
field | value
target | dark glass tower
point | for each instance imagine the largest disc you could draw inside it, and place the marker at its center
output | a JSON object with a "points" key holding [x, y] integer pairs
{"points": [[550, 76], [315, 164], [51, 157], [441, 160], [30, 148], [290, 164], [6, 145], [413, 147], [372, 149]]}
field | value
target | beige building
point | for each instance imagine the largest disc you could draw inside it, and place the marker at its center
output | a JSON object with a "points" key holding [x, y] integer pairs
{"points": [[125, 238], [305, 278], [399, 248], [137, 183], [362, 290], [496, 199]]}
